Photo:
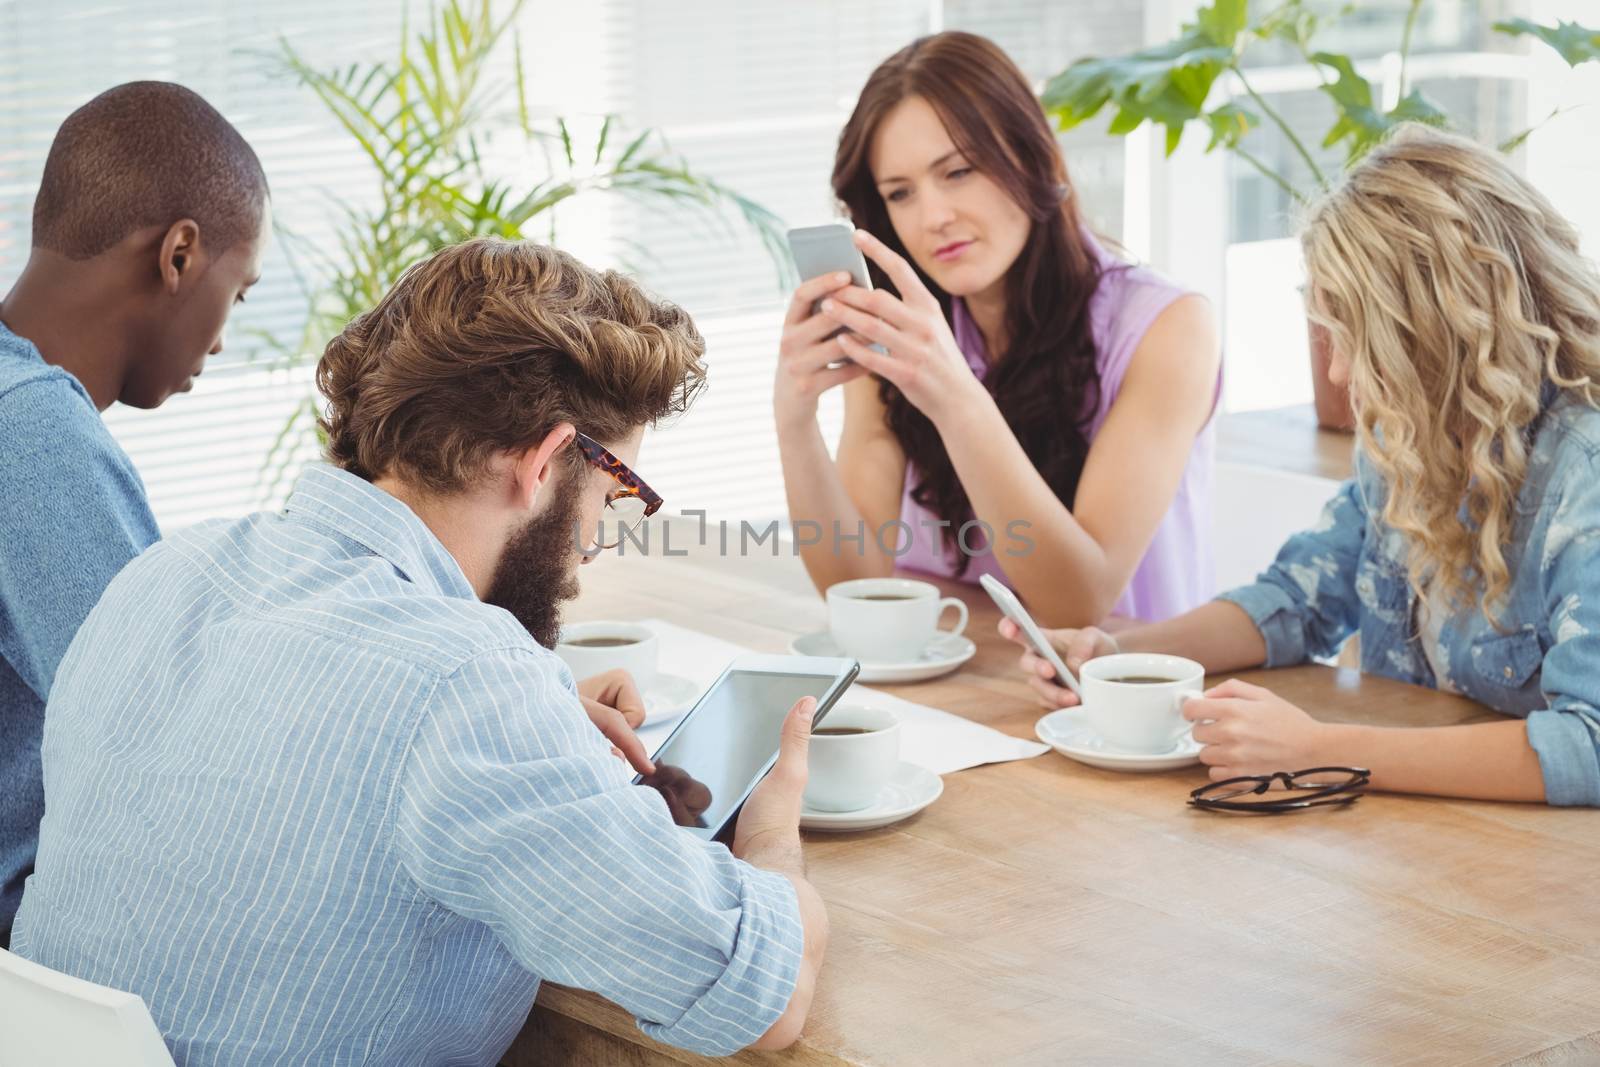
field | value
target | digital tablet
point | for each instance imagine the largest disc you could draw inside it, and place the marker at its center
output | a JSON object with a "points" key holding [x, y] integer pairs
{"points": [[728, 741]]}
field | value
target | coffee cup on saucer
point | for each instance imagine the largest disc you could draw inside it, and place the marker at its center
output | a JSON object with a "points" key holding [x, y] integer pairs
{"points": [[854, 751], [888, 620], [1134, 700], [591, 648]]}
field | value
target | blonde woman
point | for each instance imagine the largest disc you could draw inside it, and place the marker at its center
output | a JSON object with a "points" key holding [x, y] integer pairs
{"points": [[1466, 549]]}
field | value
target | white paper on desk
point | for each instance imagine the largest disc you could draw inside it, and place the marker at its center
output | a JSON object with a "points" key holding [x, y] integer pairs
{"points": [[934, 739]]}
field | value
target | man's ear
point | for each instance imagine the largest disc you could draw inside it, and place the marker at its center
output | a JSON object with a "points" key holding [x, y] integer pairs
{"points": [[531, 471], [180, 253]]}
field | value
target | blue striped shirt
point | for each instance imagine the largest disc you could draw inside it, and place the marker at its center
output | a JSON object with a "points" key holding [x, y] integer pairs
{"points": [[317, 803]]}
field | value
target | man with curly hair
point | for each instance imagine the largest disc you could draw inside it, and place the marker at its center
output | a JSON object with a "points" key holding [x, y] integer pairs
{"points": [[319, 791]]}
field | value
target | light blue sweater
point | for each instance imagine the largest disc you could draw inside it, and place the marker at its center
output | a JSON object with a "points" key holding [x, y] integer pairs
{"points": [[72, 514]]}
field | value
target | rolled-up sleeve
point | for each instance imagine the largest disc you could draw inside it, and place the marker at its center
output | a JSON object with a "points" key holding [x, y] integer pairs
{"points": [[1307, 602], [1566, 735], [513, 812]]}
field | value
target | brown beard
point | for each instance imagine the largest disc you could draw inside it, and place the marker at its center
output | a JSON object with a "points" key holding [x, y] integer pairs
{"points": [[538, 569]]}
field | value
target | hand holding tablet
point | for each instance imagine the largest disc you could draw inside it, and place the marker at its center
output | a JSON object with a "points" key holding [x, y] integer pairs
{"points": [[730, 739]]}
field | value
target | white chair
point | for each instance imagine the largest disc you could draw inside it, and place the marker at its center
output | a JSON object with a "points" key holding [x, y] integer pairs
{"points": [[49, 1019]]}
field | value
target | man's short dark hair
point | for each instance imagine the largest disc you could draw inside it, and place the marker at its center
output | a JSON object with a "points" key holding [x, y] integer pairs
{"points": [[146, 154]]}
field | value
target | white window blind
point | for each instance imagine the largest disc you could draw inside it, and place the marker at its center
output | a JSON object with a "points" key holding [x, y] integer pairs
{"points": [[200, 453], [750, 93]]}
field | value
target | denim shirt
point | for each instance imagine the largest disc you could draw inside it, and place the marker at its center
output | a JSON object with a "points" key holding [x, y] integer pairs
{"points": [[1348, 574], [72, 514]]}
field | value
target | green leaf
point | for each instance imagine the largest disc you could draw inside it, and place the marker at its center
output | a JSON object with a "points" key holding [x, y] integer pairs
{"points": [[1292, 23], [1165, 84], [1174, 135], [1229, 123], [1223, 21], [1358, 121], [1577, 44], [417, 118], [1083, 88], [1360, 124], [1417, 108], [1125, 121], [1511, 144]]}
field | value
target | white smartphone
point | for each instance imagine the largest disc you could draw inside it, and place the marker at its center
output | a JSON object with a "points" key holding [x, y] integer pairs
{"points": [[825, 249], [727, 742], [1012, 608]]}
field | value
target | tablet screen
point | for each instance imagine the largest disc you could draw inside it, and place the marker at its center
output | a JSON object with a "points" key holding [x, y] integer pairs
{"points": [[729, 737]]}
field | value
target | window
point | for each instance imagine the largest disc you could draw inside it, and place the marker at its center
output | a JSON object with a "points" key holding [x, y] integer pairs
{"points": [[201, 454], [1474, 74], [753, 94]]}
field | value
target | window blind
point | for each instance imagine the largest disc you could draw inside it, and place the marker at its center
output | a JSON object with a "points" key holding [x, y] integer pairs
{"points": [[752, 94], [200, 454]]}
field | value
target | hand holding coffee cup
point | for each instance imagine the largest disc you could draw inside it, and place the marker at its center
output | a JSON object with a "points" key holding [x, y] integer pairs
{"points": [[888, 620], [1075, 647], [1134, 700], [591, 648], [854, 753]]}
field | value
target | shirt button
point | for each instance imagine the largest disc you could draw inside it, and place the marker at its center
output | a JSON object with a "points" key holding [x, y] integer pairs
{"points": [[1508, 672]]}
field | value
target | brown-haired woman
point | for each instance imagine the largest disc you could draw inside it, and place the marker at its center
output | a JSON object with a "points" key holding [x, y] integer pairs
{"points": [[1040, 410]]}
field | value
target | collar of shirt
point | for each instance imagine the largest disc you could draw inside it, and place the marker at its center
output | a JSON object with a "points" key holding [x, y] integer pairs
{"points": [[356, 509]]}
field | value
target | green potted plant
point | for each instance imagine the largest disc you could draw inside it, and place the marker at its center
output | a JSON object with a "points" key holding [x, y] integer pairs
{"points": [[423, 120], [1171, 85]]}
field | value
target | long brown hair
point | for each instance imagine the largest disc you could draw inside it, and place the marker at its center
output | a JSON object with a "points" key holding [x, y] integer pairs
{"points": [[1046, 385]]}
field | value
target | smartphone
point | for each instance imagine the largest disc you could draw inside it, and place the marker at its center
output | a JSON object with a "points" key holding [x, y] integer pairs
{"points": [[725, 744], [826, 249], [819, 250], [1012, 608]]}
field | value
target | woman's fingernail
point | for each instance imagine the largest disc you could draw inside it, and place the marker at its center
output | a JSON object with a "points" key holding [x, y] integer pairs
{"points": [[841, 278], [827, 305]]}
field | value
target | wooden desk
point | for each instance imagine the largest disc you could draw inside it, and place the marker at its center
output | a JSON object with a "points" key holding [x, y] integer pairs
{"points": [[1044, 912], [1286, 439]]}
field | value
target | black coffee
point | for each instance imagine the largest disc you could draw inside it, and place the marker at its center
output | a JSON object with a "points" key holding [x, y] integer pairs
{"points": [[1142, 679], [601, 642], [885, 596], [840, 731]]}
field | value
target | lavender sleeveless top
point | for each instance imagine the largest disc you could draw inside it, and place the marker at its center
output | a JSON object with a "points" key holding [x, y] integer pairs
{"points": [[1177, 571]]}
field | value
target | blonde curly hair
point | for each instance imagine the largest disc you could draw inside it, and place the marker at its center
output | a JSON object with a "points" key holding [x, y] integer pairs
{"points": [[1457, 293]]}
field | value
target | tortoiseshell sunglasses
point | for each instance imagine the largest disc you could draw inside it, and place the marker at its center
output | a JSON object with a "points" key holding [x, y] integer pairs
{"points": [[632, 502]]}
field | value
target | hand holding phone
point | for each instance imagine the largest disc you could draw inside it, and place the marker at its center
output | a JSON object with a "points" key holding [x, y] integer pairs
{"points": [[828, 249], [1012, 608]]}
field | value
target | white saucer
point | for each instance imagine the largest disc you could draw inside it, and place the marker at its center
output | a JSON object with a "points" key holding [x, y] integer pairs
{"points": [[668, 697], [944, 654], [910, 789], [1068, 732]]}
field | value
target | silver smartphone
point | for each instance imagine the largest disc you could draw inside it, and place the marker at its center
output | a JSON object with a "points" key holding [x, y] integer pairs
{"points": [[729, 740], [819, 250], [825, 249], [1012, 608]]}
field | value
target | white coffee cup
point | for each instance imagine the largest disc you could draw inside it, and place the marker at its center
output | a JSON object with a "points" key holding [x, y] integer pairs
{"points": [[591, 648], [1144, 717], [888, 620], [847, 771]]}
